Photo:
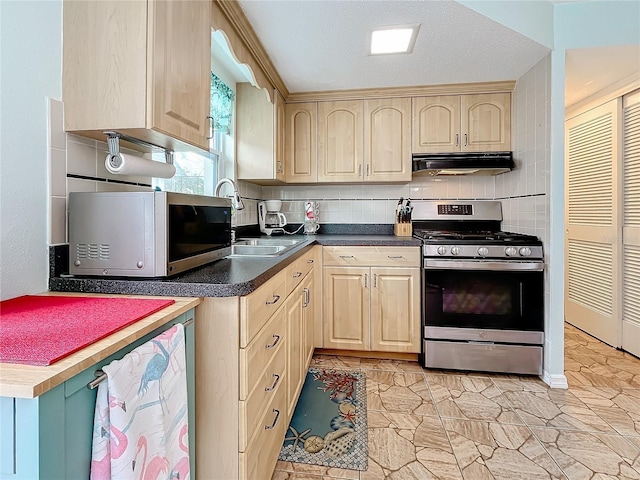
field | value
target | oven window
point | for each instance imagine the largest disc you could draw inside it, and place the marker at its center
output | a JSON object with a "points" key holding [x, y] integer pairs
{"points": [[194, 230], [480, 299]]}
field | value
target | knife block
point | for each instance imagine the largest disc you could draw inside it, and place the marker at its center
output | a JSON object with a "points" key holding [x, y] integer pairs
{"points": [[402, 229]]}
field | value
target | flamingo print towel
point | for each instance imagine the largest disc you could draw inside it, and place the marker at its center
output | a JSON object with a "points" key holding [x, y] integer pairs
{"points": [[140, 423]]}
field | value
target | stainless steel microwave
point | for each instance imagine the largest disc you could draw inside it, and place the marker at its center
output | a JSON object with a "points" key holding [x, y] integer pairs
{"points": [[146, 234]]}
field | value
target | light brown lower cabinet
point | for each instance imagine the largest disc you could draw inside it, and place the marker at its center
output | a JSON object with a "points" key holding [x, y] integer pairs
{"points": [[252, 355], [371, 308]]}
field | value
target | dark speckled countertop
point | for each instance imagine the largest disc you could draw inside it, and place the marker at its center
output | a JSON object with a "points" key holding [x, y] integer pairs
{"points": [[230, 277]]}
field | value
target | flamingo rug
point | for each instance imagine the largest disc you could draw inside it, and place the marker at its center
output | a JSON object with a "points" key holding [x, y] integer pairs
{"points": [[329, 424]]}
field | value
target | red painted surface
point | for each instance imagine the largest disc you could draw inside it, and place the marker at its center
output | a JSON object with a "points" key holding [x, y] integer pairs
{"points": [[40, 330]]}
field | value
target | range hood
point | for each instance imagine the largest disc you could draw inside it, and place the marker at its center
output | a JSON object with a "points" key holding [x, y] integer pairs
{"points": [[489, 163]]}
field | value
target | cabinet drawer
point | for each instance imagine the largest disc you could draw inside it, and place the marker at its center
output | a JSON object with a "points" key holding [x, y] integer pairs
{"points": [[261, 395], [299, 269], [259, 459], [371, 256], [260, 352], [257, 308]]}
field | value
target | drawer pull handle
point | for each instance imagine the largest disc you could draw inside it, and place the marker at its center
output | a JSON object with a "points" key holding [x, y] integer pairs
{"points": [[275, 420], [272, 387], [307, 297], [394, 256], [275, 299], [297, 274], [275, 341], [375, 280], [310, 260], [346, 256], [366, 280]]}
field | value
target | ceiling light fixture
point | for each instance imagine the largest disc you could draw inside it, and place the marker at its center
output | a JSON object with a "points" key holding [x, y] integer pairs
{"points": [[397, 39]]}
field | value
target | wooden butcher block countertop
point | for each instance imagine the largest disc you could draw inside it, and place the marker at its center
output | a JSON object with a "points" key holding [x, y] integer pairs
{"points": [[29, 381]]}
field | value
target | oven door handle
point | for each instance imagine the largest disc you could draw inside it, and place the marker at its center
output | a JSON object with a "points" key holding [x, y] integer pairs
{"points": [[430, 264]]}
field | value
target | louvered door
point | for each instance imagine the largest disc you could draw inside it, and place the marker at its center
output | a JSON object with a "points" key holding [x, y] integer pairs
{"points": [[631, 224], [592, 286]]}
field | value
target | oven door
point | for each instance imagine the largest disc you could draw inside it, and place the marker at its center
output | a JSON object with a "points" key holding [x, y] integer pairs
{"points": [[484, 301]]}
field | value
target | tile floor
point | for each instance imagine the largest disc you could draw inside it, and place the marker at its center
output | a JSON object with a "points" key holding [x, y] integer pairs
{"points": [[426, 424]]}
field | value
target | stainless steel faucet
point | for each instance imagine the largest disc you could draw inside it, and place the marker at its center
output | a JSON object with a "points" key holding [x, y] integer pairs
{"points": [[236, 201]]}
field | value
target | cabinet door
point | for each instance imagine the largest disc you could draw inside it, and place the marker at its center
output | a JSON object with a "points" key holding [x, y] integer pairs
{"points": [[436, 124], [308, 319], [395, 310], [485, 122], [255, 138], [294, 375], [301, 160], [180, 59], [346, 308], [279, 134], [387, 140], [340, 141]]}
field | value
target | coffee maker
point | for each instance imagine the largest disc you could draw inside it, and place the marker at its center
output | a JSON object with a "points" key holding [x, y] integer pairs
{"points": [[270, 218]]}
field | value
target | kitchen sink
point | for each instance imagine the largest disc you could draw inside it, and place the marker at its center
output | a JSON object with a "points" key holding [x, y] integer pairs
{"points": [[262, 247]]}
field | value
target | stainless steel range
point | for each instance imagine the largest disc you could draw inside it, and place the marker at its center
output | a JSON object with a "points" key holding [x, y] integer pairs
{"points": [[483, 289]]}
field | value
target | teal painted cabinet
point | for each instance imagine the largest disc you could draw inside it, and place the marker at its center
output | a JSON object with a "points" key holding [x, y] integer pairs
{"points": [[49, 437]]}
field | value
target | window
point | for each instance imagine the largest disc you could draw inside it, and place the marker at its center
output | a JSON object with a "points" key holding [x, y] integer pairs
{"points": [[197, 173]]}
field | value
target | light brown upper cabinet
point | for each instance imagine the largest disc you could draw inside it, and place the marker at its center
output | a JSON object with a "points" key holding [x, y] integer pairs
{"points": [[340, 141], [364, 140], [387, 140], [301, 162], [259, 135], [139, 68], [462, 123]]}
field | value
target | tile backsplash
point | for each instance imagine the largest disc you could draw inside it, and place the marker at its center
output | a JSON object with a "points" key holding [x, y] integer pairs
{"points": [[76, 164], [374, 203]]}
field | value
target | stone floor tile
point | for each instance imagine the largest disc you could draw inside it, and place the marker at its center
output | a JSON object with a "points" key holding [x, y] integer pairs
{"points": [[497, 451], [471, 398], [390, 365], [590, 362], [398, 392], [620, 408], [556, 408], [339, 362], [634, 440], [405, 446], [591, 455]]}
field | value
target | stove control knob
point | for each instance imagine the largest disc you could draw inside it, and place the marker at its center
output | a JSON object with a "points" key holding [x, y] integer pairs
{"points": [[525, 251], [511, 251], [442, 250], [483, 251], [455, 250]]}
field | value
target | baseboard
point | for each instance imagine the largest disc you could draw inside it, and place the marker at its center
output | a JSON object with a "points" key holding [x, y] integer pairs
{"points": [[409, 357], [555, 381]]}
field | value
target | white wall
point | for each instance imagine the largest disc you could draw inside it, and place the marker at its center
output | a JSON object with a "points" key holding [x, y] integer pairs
{"points": [[31, 71]]}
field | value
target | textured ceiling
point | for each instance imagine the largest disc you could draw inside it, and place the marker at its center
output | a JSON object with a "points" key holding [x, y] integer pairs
{"points": [[319, 45]]}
